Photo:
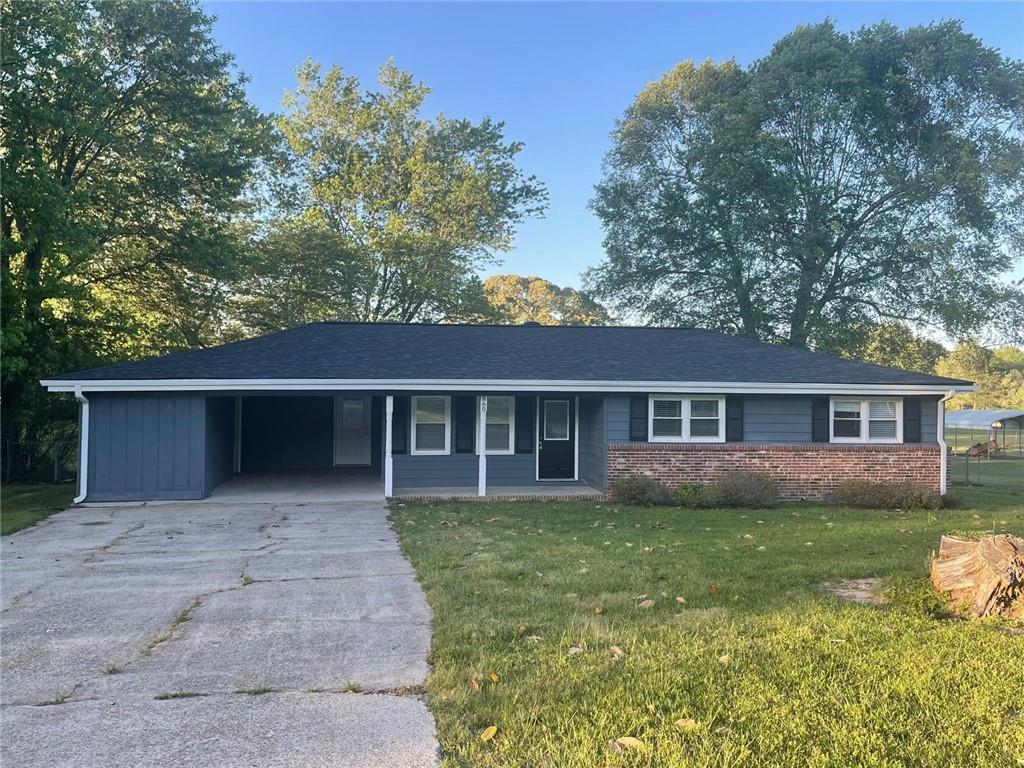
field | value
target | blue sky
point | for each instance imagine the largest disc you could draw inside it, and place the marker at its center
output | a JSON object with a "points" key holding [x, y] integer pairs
{"points": [[558, 75]]}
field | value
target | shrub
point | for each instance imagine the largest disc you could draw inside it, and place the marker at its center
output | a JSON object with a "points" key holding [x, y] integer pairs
{"points": [[865, 494], [691, 495], [742, 489], [643, 491]]}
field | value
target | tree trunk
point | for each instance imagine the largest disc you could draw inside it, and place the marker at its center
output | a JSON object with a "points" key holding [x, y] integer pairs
{"points": [[986, 575]]}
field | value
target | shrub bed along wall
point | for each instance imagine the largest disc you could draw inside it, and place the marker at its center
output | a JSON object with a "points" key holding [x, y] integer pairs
{"points": [[805, 471]]}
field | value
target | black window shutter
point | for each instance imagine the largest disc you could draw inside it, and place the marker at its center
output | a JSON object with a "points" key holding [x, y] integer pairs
{"points": [[819, 419], [400, 426], [734, 419], [911, 420], [464, 410], [524, 424], [638, 419]]}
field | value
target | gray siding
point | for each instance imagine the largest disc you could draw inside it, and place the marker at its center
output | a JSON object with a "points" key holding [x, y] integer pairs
{"points": [[220, 441], [460, 470], [616, 419], [929, 419], [776, 419], [145, 446], [593, 466], [766, 419]]}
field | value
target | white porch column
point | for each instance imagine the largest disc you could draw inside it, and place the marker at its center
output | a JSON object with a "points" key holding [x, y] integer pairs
{"points": [[389, 478], [481, 447]]}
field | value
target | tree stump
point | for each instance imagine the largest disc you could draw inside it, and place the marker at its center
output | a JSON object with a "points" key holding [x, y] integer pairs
{"points": [[985, 574]]}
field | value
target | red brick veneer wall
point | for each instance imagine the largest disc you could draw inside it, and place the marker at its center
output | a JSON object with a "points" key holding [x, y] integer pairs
{"points": [[810, 471]]}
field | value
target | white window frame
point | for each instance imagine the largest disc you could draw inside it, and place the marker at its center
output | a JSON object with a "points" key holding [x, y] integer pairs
{"points": [[511, 425], [413, 451], [865, 428], [686, 437]]}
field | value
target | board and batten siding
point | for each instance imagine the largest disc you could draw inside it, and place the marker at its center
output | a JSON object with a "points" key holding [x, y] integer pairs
{"points": [[766, 419], [144, 446], [220, 441]]}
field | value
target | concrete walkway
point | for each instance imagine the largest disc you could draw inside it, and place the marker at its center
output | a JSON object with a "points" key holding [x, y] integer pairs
{"points": [[213, 635]]}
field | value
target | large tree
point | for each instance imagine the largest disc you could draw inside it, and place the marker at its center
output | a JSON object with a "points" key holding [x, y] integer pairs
{"points": [[843, 180], [126, 144], [387, 215], [519, 299]]}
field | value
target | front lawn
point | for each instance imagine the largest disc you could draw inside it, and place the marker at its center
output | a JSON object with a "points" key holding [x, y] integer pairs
{"points": [[22, 505], [539, 631]]}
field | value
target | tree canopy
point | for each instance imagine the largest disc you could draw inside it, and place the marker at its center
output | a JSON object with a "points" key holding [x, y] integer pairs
{"points": [[842, 181], [388, 215], [126, 144], [519, 299]]}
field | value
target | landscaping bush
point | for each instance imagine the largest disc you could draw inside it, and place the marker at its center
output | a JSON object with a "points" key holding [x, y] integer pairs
{"points": [[643, 491], [865, 494], [742, 489], [691, 495]]}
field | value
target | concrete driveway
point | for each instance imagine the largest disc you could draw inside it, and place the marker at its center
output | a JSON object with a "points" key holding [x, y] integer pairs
{"points": [[213, 635]]}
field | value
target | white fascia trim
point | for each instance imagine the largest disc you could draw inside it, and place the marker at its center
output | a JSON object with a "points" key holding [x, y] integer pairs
{"points": [[497, 385]]}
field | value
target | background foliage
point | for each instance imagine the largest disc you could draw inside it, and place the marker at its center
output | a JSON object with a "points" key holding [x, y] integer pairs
{"points": [[845, 193], [841, 181]]}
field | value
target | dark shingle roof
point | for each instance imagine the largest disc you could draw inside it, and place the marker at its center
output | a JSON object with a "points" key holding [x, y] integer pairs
{"points": [[521, 352]]}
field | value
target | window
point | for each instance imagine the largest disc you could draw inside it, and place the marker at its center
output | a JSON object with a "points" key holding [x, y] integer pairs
{"points": [[556, 419], [667, 418], [431, 425], [500, 431], [846, 418], [867, 421], [704, 418], [676, 419]]}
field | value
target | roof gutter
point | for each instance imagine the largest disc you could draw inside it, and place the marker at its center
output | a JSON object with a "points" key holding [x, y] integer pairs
{"points": [[83, 449], [493, 385]]}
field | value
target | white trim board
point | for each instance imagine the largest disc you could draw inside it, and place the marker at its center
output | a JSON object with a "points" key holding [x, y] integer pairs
{"points": [[499, 385]]}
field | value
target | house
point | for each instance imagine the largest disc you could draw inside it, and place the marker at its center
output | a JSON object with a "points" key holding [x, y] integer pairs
{"points": [[500, 411]]}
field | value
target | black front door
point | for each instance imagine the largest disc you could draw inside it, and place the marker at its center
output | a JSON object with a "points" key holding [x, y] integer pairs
{"points": [[556, 441]]}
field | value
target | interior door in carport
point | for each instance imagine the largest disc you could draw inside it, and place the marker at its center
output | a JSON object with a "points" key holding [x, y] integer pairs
{"points": [[351, 431]]}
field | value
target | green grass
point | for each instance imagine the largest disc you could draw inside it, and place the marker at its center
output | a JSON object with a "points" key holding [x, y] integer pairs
{"points": [[772, 671], [25, 505]]}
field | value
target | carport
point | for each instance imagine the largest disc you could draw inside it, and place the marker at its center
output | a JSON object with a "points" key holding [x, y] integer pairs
{"points": [[312, 446], [243, 446]]}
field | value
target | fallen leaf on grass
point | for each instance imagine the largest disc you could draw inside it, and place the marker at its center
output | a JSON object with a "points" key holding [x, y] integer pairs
{"points": [[495, 679], [724, 659], [714, 589], [625, 742], [474, 684], [488, 733], [599, 610]]}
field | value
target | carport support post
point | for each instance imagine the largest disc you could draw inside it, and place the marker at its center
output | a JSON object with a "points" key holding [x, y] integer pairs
{"points": [[389, 468], [481, 448]]}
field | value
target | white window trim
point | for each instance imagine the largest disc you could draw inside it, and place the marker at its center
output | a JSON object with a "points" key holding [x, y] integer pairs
{"points": [[511, 426], [685, 409], [447, 428], [864, 427]]}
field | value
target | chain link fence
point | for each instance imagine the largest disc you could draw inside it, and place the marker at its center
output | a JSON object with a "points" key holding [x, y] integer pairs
{"points": [[34, 462]]}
